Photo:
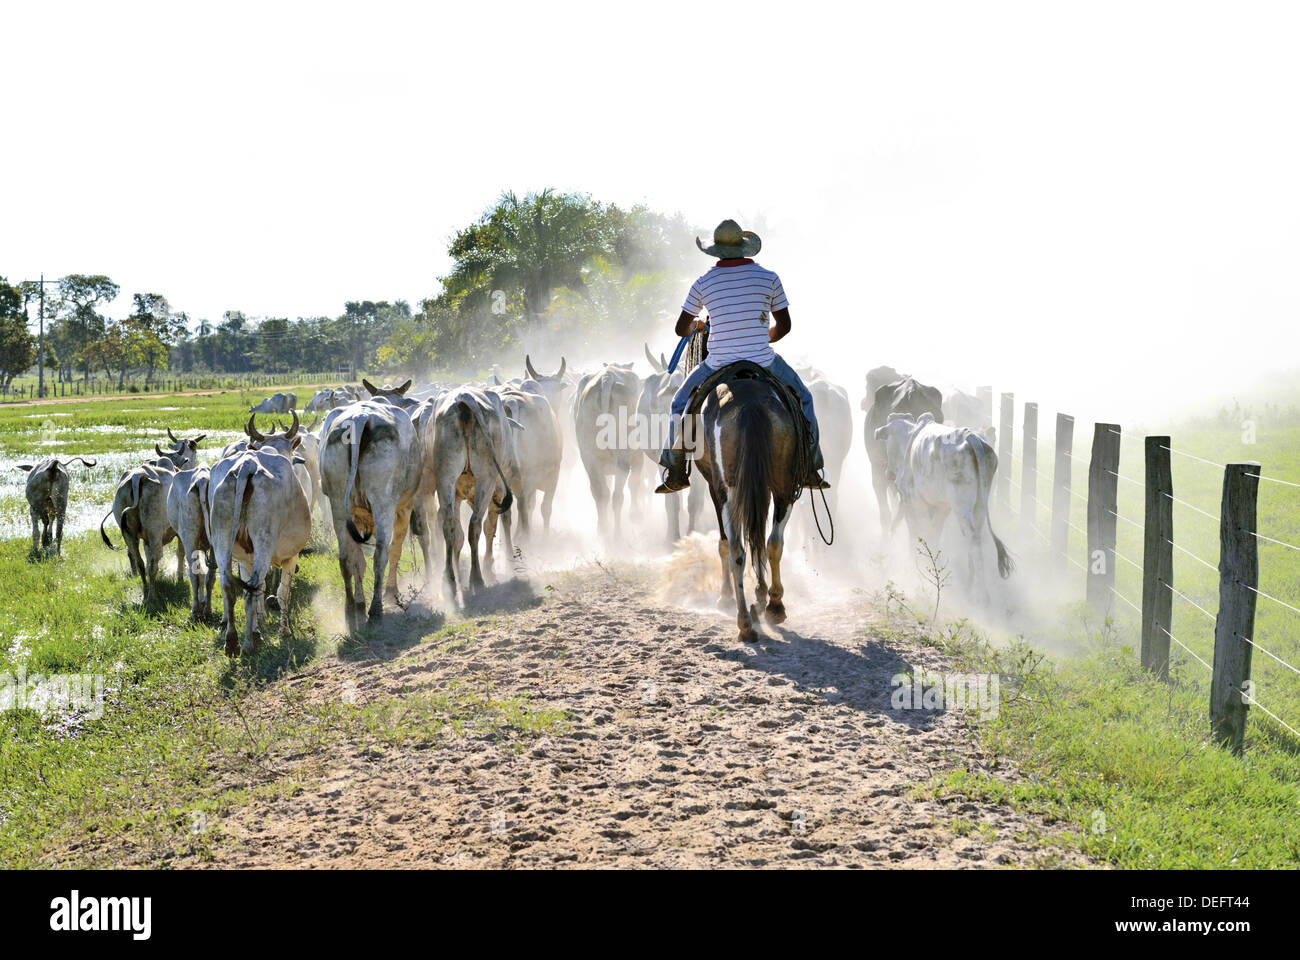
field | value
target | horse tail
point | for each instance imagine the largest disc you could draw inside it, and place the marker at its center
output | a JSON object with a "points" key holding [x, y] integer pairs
{"points": [[750, 495]]}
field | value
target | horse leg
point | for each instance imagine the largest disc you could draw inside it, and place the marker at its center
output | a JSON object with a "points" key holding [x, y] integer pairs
{"points": [[775, 548], [724, 554], [673, 507], [737, 564]]}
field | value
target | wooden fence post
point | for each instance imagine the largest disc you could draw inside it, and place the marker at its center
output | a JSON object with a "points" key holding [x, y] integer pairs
{"points": [[1004, 450], [1234, 627], [1157, 559], [1103, 504], [985, 397], [1029, 469]]}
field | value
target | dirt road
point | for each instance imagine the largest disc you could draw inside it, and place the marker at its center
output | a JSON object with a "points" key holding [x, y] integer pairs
{"points": [[683, 748]]}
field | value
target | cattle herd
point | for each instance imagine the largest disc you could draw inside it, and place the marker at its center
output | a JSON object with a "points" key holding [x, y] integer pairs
{"points": [[380, 463]]}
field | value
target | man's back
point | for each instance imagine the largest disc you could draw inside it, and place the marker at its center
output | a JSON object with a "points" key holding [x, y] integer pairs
{"points": [[739, 296]]}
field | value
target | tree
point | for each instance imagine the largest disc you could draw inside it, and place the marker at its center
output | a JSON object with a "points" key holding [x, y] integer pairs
{"points": [[152, 328], [527, 248], [79, 295], [17, 345]]}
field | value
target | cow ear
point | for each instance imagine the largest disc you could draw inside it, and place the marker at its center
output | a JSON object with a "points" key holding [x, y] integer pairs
{"points": [[882, 434], [24, 467], [514, 423], [296, 441], [924, 418], [299, 460]]}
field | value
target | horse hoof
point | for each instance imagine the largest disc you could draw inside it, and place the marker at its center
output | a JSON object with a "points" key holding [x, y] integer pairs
{"points": [[232, 648], [748, 635], [775, 613]]}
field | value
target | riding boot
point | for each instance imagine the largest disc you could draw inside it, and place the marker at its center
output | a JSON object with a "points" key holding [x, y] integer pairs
{"points": [[814, 479], [676, 478]]}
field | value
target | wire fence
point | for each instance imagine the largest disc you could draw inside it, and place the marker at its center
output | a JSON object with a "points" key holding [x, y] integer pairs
{"points": [[1236, 570]]}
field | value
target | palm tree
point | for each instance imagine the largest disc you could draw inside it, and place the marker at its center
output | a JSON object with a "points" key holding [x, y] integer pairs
{"points": [[527, 249]]}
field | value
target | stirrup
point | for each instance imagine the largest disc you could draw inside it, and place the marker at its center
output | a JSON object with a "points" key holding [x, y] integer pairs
{"points": [[672, 483], [814, 481]]}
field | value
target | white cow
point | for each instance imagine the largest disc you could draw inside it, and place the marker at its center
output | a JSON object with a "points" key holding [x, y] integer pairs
{"points": [[258, 516], [370, 462], [939, 470], [187, 507]]}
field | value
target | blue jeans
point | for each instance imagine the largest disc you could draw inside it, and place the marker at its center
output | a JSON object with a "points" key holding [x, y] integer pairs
{"points": [[783, 372]]}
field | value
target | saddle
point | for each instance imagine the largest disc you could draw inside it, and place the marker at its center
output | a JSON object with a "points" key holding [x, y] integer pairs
{"points": [[748, 370]]}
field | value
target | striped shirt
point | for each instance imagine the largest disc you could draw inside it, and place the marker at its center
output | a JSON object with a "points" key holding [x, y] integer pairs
{"points": [[739, 295]]}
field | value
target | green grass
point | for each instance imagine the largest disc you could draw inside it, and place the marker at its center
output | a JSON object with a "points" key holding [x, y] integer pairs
{"points": [[1124, 762], [186, 735]]}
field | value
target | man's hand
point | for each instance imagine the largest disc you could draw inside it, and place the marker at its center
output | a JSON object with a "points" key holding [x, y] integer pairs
{"points": [[688, 324]]}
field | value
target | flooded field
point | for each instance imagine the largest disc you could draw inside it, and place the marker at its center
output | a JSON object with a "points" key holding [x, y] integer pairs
{"points": [[116, 437]]}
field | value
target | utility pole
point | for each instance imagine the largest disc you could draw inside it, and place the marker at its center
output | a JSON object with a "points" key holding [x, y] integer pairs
{"points": [[40, 382]]}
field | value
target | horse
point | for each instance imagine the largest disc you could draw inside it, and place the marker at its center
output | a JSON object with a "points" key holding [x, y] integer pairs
{"points": [[750, 445]]}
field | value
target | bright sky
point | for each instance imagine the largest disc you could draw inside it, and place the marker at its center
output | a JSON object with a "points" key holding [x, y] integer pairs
{"points": [[1051, 197]]}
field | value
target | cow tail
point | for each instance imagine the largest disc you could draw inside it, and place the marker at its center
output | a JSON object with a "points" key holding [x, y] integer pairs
{"points": [[354, 461], [201, 487], [246, 470], [104, 536], [606, 390], [508, 500], [750, 496], [984, 471]]}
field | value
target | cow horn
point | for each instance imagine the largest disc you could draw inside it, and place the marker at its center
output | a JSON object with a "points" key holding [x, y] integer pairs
{"points": [[373, 390], [158, 450], [252, 430], [532, 372], [199, 439], [496, 381], [293, 430], [654, 364], [406, 386], [560, 373], [171, 436]]}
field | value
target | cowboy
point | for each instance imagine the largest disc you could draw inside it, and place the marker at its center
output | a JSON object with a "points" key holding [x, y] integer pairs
{"points": [[738, 294]]}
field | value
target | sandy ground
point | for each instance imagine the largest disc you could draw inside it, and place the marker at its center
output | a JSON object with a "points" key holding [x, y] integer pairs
{"points": [[685, 748]]}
